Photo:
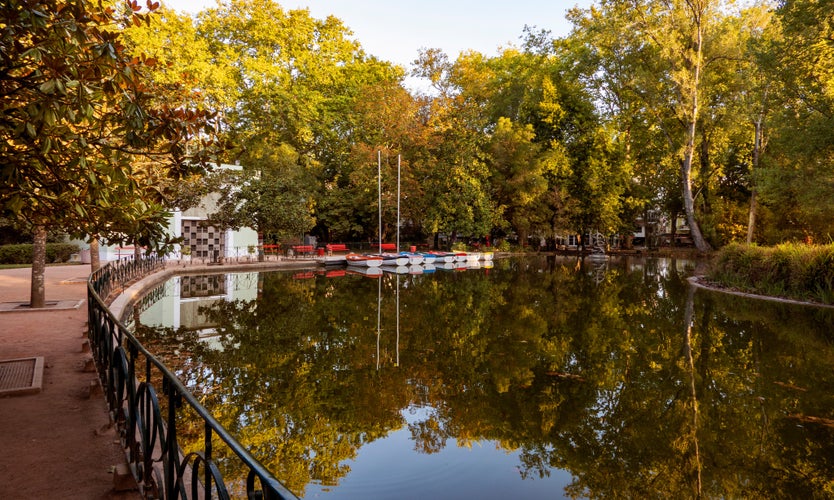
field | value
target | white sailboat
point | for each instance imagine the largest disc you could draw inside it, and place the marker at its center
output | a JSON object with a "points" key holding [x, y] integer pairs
{"points": [[388, 258], [360, 260]]}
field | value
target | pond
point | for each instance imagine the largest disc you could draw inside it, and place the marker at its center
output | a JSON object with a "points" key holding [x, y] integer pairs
{"points": [[541, 377]]}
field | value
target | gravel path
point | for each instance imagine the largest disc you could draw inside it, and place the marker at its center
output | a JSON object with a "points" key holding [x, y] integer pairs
{"points": [[57, 443]]}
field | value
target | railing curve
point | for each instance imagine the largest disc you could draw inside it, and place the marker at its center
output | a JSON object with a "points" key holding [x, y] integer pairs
{"points": [[147, 432]]}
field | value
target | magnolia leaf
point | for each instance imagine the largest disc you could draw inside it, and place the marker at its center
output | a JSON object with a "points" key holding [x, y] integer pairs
{"points": [[47, 87]]}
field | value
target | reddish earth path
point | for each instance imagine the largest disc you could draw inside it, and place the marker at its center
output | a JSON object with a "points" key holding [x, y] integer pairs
{"points": [[57, 443]]}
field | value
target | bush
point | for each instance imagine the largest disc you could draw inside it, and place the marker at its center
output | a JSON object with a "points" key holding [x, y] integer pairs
{"points": [[795, 270], [60, 252], [22, 254], [459, 246], [16, 254], [502, 246]]}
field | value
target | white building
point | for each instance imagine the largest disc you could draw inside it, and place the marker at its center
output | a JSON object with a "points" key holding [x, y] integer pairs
{"points": [[184, 301], [203, 240], [208, 242]]}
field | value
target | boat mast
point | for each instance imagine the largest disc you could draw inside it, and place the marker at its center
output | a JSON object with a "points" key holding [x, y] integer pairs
{"points": [[379, 193], [398, 321], [398, 203]]}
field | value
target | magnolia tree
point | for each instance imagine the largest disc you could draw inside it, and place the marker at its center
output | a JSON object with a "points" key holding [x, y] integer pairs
{"points": [[89, 144]]}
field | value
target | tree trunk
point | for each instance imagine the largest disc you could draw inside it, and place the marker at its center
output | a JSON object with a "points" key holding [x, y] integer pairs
{"points": [[522, 237], [757, 146], [705, 166], [260, 249], [689, 149], [137, 252], [689, 312], [37, 297], [673, 239], [751, 219], [95, 256], [689, 205]]}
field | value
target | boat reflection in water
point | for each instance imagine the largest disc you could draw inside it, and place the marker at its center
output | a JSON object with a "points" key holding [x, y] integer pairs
{"points": [[533, 379]]}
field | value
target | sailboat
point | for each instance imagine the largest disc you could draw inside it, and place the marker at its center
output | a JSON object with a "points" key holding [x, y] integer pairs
{"points": [[395, 259], [382, 258]]}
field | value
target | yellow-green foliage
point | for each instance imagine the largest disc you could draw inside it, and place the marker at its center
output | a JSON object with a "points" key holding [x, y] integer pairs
{"points": [[790, 269]]}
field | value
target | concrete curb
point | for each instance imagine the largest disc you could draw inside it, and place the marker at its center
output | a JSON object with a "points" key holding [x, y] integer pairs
{"points": [[698, 282]]}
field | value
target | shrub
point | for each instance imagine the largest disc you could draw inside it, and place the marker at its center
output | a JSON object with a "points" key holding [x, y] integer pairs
{"points": [[459, 246], [796, 270], [16, 254], [22, 254], [60, 252], [503, 246]]}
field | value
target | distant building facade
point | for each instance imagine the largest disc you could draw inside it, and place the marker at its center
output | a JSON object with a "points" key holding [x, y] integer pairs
{"points": [[203, 240]]}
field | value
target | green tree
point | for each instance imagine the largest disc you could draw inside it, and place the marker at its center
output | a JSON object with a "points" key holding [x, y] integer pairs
{"points": [[797, 169], [78, 114], [661, 65], [383, 121], [518, 174], [293, 82], [270, 196], [452, 173]]}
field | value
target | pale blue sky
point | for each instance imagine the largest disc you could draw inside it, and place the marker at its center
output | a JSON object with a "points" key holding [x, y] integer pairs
{"points": [[395, 30]]}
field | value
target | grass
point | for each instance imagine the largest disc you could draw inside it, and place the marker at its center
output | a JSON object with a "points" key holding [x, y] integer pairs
{"points": [[14, 266], [797, 271]]}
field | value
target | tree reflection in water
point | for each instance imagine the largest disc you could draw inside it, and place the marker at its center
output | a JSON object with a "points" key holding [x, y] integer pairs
{"points": [[633, 383]]}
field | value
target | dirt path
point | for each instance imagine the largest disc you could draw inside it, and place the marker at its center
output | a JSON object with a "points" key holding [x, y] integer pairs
{"points": [[57, 443]]}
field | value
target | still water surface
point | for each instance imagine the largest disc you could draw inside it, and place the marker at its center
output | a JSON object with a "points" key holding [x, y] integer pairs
{"points": [[539, 378]]}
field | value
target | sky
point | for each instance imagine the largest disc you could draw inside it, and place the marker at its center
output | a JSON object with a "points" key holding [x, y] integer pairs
{"points": [[395, 30]]}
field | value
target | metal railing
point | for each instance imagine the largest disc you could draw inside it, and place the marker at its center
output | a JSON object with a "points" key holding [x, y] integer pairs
{"points": [[117, 275], [147, 425]]}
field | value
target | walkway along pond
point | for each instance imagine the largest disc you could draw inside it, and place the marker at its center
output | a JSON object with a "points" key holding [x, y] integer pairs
{"points": [[540, 377]]}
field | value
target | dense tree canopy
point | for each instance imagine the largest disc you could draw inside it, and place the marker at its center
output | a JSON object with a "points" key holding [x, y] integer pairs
{"points": [[696, 108], [89, 145]]}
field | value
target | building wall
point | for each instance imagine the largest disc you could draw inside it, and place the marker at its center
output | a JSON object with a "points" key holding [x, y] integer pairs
{"points": [[206, 242]]}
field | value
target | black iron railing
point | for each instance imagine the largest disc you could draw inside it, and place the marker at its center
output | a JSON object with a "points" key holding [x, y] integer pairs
{"points": [[147, 425], [115, 276]]}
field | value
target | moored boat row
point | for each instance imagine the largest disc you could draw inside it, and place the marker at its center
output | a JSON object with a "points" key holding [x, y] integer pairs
{"points": [[407, 258]]}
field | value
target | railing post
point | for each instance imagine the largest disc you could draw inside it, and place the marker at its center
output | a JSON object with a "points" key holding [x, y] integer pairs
{"points": [[207, 454], [171, 451]]}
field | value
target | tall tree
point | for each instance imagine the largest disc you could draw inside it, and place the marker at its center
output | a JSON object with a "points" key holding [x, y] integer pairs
{"points": [[78, 113], [759, 95], [798, 169], [453, 174], [291, 82], [518, 175], [269, 197], [662, 53]]}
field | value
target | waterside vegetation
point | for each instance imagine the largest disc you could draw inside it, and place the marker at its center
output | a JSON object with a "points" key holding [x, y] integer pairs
{"points": [[796, 271]]}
